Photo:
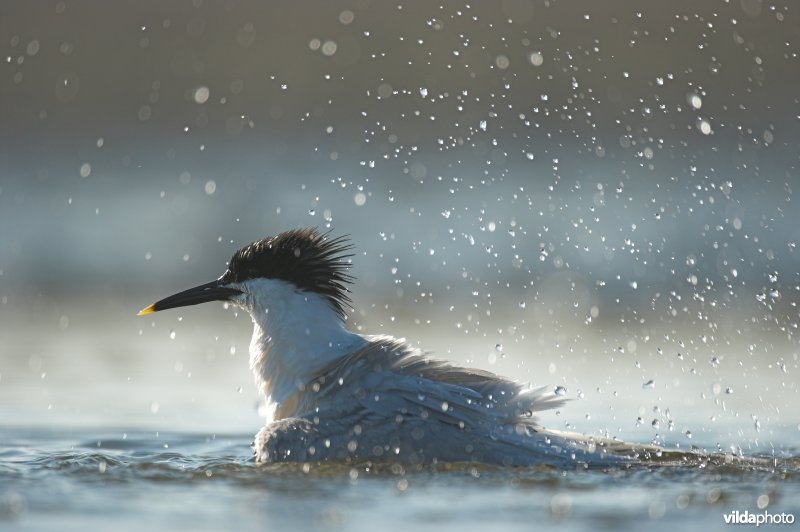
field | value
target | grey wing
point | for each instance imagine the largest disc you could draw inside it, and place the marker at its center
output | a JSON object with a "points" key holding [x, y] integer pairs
{"points": [[389, 400], [453, 394], [388, 377]]}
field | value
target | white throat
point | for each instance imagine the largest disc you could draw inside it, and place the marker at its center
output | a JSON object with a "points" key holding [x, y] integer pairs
{"points": [[295, 335]]}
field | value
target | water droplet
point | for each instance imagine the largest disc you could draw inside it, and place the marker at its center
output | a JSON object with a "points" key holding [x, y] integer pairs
{"points": [[649, 385], [329, 48], [560, 390], [144, 113], [32, 48], [201, 94], [346, 17], [656, 423]]}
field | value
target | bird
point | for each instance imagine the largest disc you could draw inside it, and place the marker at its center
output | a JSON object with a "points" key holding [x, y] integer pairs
{"points": [[335, 394]]}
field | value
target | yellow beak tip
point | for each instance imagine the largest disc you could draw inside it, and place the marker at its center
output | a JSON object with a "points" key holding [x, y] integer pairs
{"points": [[146, 310]]}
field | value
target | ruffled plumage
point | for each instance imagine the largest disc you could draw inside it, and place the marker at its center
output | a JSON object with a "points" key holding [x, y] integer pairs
{"points": [[387, 400]]}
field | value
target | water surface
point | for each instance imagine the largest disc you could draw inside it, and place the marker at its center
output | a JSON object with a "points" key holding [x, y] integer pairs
{"points": [[102, 479]]}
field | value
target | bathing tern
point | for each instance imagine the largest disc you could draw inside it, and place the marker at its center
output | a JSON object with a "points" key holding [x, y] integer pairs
{"points": [[335, 394]]}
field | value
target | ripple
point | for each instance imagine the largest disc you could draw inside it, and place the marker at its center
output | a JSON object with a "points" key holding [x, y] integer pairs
{"points": [[207, 481]]}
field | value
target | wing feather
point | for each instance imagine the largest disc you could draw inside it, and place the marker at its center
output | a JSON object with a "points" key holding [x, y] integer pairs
{"points": [[390, 378]]}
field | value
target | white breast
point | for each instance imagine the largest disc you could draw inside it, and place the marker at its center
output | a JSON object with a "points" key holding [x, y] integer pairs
{"points": [[295, 334]]}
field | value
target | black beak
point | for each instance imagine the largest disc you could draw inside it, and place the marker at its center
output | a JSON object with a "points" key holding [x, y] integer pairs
{"points": [[213, 291]]}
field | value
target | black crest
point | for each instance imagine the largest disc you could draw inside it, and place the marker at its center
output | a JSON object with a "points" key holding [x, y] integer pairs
{"points": [[305, 257]]}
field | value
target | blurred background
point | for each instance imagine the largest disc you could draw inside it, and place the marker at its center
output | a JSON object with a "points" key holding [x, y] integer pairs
{"points": [[594, 195]]}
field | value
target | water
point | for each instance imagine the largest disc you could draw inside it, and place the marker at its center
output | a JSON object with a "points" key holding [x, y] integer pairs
{"points": [[110, 423], [101, 479]]}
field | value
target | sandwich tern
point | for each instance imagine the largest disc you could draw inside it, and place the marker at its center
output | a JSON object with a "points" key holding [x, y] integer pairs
{"points": [[336, 394]]}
